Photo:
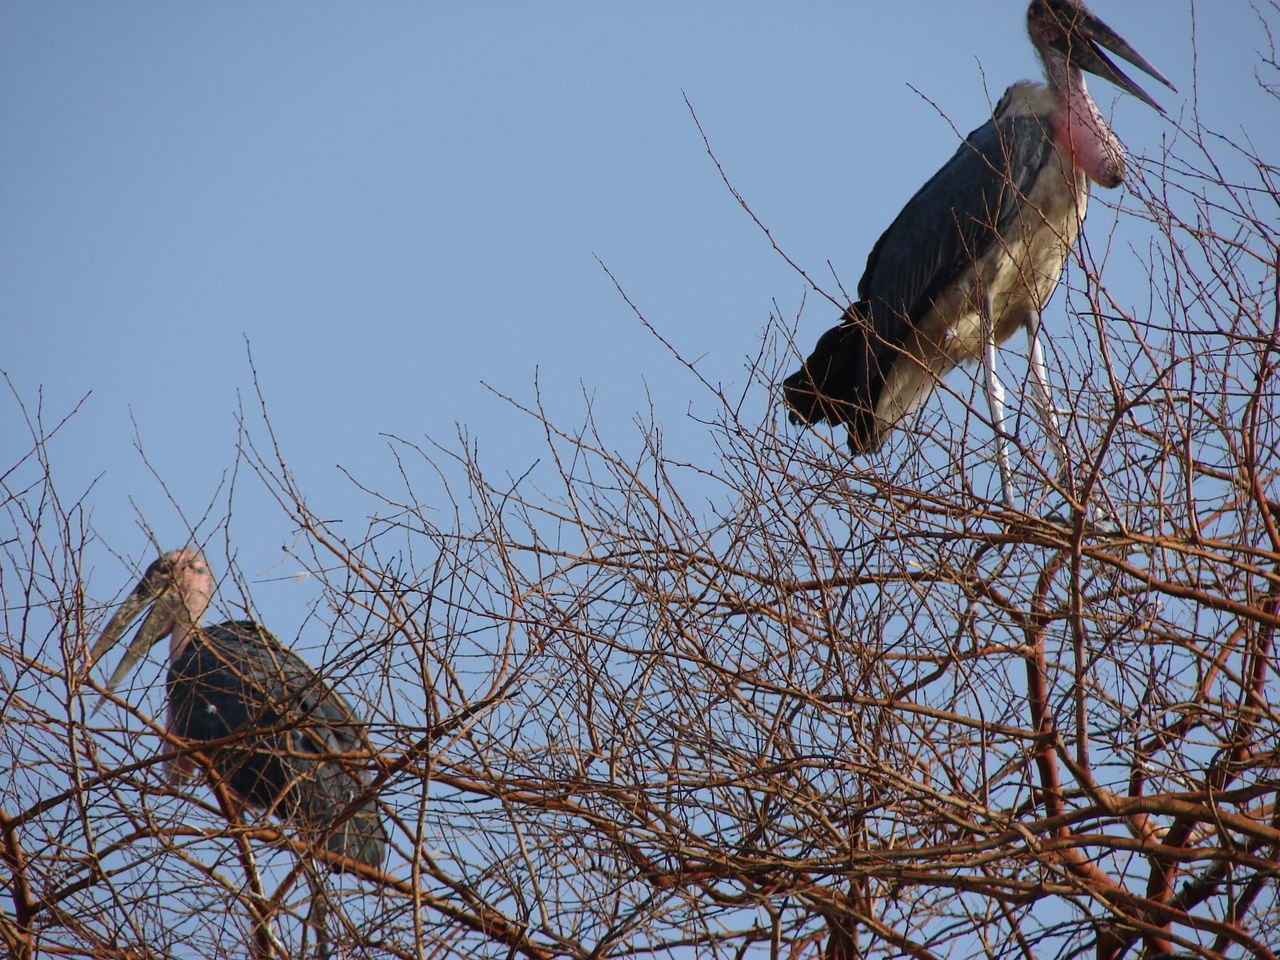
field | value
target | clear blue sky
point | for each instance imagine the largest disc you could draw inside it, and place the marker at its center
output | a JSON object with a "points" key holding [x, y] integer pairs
{"points": [[397, 202]]}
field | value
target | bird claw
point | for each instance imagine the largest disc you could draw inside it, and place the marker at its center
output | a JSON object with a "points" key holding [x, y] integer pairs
{"points": [[1105, 527], [1095, 523]]}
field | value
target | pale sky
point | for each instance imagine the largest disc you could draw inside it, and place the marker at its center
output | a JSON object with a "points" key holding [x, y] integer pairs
{"points": [[394, 204]]}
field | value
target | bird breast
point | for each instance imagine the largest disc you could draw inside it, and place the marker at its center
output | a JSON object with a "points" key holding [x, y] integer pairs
{"points": [[1020, 272]]}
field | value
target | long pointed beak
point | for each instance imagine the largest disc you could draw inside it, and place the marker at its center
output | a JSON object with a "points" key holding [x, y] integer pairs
{"points": [[1090, 34], [158, 624]]}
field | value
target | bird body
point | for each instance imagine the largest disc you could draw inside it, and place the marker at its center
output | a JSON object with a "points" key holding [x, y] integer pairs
{"points": [[1005, 184], [977, 252], [274, 732], [284, 732]]}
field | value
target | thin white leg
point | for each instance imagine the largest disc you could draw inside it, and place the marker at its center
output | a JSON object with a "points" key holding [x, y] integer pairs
{"points": [[1043, 397], [318, 915], [1043, 400], [995, 401]]}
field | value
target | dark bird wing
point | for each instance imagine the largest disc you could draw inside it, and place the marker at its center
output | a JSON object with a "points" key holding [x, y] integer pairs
{"points": [[289, 732], [950, 223]]}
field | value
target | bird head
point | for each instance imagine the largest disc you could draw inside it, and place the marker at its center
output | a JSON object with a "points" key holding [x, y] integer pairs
{"points": [[1068, 31], [177, 587]]}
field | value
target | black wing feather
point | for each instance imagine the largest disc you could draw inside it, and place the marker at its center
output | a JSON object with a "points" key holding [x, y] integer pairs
{"points": [[237, 677], [941, 231]]}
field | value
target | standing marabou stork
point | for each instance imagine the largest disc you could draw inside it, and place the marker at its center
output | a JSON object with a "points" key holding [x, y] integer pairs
{"points": [[977, 252], [276, 731]]}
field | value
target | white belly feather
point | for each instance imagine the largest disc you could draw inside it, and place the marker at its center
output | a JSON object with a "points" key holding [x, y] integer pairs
{"points": [[1020, 275]]}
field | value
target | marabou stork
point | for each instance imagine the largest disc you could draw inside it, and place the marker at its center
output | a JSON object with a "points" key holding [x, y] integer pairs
{"points": [[277, 732], [977, 252]]}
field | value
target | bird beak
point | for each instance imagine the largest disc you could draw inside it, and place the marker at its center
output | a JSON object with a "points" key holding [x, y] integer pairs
{"points": [[157, 626], [1084, 36]]}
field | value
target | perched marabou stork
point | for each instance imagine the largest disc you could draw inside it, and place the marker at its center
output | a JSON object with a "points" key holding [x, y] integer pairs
{"points": [[277, 732], [977, 252]]}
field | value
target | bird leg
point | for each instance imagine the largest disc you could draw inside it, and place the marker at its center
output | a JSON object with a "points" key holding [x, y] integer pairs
{"points": [[183, 765], [318, 914], [1043, 398], [264, 942], [995, 398], [1043, 401]]}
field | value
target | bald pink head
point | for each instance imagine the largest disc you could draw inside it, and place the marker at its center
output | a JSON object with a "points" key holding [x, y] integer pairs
{"points": [[179, 588], [1070, 40]]}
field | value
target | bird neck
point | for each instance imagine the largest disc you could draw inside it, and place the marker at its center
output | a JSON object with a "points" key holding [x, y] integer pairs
{"points": [[187, 600], [187, 610], [180, 638], [1080, 130]]}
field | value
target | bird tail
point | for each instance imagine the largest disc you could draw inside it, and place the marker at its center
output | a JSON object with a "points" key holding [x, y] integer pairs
{"points": [[362, 837], [334, 805], [835, 382]]}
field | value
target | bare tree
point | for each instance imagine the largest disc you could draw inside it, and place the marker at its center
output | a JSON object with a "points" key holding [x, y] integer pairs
{"points": [[769, 702]]}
